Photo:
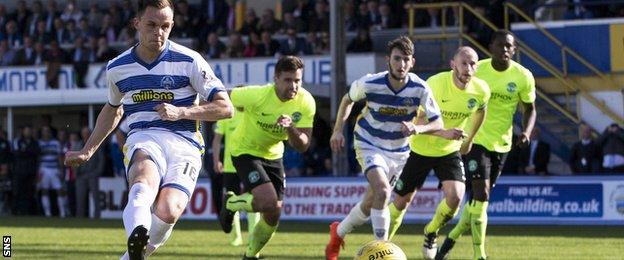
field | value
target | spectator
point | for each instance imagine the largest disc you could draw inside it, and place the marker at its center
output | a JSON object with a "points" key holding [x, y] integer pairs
{"points": [[5, 175], [319, 20], [374, 17], [293, 45], [7, 55], [551, 13], [21, 17], [103, 52], [388, 20], [362, 42], [216, 14], [185, 21], [268, 22], [301, 13], [4, 16], [114, 11], [323, 43], [293, 162], [250, 24], [40, 53], [611, 143], [54, 58], [41, 35], [361, 19], [84, 30], [26, 55], [36, 16], [73, 144], [60, 34], [269, 45], [253, 46], [80, 61], [291, 22], [51, 14], [215, 48], [349, 12], [127, 11], [235, 46], [312, 44], [584, 157], [12, 35], [578, 11], [87, 176], [71, 12], [128, 32], [108, 28], [313, 156], [534, 159], [93, 19], [25, 152], [72, 31]]}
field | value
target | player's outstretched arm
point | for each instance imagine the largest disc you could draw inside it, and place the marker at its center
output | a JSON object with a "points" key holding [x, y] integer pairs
{"points": [[298, 138], [409, 128], [219, 108], [337, 140], [477, 121], [529, 115], [106, 122]]}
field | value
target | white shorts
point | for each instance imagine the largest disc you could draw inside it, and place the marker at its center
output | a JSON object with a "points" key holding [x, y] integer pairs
{"points": [[50, 179], [177, 160], [370, 156]]}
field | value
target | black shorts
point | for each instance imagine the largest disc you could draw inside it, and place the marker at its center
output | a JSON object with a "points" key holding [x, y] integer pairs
{"points": [[482, 164], [417, 167], [254, 171], [231, 182]]}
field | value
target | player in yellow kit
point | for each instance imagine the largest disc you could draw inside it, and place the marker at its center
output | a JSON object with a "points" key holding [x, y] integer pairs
{"points": [[510, 84], [223, 130], [460, 97], [271, 114]]}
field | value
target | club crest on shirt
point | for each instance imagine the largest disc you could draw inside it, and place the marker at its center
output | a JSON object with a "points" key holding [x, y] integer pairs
{"points": [[511, 87], [167, 82], [472, 103], [254, 176], [296, 117]]}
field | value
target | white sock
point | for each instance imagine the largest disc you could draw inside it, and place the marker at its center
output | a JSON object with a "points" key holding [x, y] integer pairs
{"points": [[158, 233], [138, 210], [355, 218], [380, 218], [45, 203], [61, 205]]}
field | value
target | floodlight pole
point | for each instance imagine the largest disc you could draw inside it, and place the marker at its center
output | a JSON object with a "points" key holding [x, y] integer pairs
{"points": [[338, 75]]}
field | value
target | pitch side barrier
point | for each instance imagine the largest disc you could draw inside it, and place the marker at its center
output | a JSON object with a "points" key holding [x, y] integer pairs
{"points": [[574, 200]]}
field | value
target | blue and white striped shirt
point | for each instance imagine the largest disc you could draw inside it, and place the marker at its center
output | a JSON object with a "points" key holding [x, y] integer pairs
{"points": [[50, 152], [179, 76], [379, 124]]}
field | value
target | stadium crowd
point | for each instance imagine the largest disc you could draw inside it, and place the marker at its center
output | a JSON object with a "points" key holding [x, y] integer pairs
{"points": [[38, 34]]}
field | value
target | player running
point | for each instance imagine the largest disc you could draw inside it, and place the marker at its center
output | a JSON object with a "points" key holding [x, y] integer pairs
{"points": [[158, 84], [461, 97], [510, 84], [224, 129], [381, 134], [270, 114]]}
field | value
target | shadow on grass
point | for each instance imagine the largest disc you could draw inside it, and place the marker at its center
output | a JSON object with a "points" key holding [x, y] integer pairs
{"points": [[320, 227]]}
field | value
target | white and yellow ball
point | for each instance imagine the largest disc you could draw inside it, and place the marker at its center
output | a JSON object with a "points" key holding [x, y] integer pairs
{"points": [[380, 250]]}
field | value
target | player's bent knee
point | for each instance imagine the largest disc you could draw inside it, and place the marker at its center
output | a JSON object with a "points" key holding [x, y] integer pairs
{"points": [[171, 204], [383, 192]]}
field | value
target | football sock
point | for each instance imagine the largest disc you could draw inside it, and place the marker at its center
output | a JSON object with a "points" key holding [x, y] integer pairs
{"points": [[463, 224], [442, 216], [45, 203], [240, 202], [252, 220], [380, 218], [259, 237], [478, 224], [137, 211], [355, 218], [158, 234], [236, 238], [60, 200], [396, 218]]}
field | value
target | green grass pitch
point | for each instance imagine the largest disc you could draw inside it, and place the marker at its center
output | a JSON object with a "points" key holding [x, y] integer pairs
{"points": [[53, 238]]}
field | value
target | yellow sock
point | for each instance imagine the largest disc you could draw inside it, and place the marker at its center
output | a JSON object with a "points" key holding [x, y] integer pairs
{"points": [[396, 218], [442, 215], [478, 224], [463, 225], [263, 232]]}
